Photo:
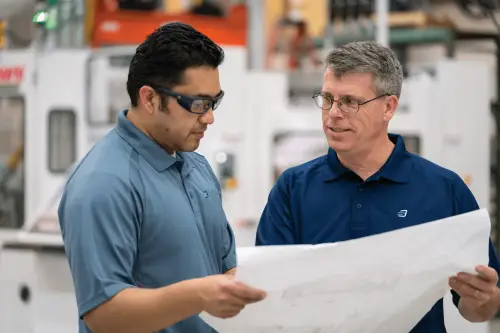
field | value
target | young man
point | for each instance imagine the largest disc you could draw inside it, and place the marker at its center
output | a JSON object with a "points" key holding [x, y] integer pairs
{"points": [[144, 230], [367, 177]]}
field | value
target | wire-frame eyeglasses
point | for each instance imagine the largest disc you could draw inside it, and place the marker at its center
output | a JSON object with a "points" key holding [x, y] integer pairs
{"points": [[345, 104]]}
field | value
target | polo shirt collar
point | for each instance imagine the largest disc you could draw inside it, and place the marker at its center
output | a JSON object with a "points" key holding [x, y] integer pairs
{"points": [[152, 152], [397, 168]]}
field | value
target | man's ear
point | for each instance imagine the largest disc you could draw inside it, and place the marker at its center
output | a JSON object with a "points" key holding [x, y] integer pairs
{"points": [[146, 98], [390, 106]]}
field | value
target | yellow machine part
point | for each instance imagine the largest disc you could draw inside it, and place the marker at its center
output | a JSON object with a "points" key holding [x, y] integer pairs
{"points": [[15, 158]]}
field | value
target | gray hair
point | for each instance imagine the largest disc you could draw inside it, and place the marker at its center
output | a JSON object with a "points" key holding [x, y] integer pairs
{"points": [[368, 57]]}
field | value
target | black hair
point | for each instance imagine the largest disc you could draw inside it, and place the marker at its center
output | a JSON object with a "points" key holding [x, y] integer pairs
{"points": [[166, 53]]}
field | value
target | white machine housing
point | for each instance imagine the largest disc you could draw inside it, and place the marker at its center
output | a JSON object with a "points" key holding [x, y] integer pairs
{"points": [[86, 89]]}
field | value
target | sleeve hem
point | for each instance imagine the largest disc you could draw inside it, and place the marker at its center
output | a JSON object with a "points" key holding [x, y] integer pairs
{"points": [[104, 296], [229, 263]]}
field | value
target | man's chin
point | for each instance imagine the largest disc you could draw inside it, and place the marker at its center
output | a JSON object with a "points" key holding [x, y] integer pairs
{"points": [[191, 147], [339, 146]]}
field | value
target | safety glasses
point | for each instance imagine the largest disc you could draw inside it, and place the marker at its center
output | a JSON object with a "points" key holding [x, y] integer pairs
{"points": [[193, 104]]}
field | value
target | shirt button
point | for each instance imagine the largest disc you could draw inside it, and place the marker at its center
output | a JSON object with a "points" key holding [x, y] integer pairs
{"points": [[360, 189], [359, 206]]}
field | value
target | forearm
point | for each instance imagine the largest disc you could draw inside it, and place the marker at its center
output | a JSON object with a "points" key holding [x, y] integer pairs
{"points": [[138, 310]]}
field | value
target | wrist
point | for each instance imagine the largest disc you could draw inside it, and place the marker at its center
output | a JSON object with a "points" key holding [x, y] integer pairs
{"points": [[197, 287], [188, 292]]}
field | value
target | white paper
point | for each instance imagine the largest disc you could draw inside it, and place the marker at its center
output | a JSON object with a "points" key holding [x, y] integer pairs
{"points": [[382, 283]]}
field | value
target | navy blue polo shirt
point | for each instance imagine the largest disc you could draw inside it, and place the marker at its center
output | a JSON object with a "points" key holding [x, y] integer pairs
{"points": [[133, 216], [322, 201]]}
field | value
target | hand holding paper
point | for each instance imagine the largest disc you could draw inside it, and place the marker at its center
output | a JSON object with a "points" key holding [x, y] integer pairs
{"points": [[383, 283], [479, 293], [224, 297]]}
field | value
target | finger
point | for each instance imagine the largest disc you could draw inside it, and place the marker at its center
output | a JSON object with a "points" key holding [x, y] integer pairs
{"points": [[476, 282], [247, 293], [472, 303], [229, 312], [254, 294], [455, 285], [232, 301], [487, 273], [234, 308], [466, 290], [251, 295], [252, 300], [227, 298]]}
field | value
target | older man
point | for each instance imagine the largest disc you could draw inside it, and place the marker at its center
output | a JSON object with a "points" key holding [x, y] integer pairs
{"points": [[368, 178]]}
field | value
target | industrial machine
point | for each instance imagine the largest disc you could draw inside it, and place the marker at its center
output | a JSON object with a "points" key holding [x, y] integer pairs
{"points": [[12, 130], [71, 99]]}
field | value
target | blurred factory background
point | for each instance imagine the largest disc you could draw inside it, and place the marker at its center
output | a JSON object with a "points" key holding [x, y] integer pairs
{"points": [[63, 67]]}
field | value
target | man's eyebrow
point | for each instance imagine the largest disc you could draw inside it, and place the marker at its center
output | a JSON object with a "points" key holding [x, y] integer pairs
{"points": [[357, 98]]}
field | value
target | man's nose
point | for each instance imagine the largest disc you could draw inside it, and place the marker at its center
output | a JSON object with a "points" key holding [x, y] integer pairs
{"points": [[335, 110], [208, 117]]}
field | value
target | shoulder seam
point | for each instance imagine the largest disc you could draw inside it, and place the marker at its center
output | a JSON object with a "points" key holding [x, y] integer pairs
{"points": [[136, 156]]}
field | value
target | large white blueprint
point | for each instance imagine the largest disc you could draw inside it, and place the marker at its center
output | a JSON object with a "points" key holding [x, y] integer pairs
{"points": [[383, 283]]}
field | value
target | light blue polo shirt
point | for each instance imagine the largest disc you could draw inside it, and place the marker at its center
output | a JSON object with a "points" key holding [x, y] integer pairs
{"points": [[133, 216]]}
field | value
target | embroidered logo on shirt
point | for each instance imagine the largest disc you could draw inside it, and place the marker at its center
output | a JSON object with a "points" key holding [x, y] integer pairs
{"points": [[402, 213]]}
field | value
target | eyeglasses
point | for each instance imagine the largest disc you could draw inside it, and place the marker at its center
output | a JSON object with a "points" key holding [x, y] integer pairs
{"points": [[193, 104], [345, 104]]}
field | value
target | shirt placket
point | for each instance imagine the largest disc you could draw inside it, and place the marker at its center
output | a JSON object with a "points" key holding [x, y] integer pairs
{"points": [[186, 176], [359, 210]]}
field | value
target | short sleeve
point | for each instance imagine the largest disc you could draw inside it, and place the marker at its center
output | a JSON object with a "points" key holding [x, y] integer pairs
{"points": [[99, 225], [464, 202], [229, 246], [276, 224]]}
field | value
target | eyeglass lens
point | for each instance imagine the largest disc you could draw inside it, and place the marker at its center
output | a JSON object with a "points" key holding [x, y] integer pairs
{"points": [[203, 105], [345, 104]]}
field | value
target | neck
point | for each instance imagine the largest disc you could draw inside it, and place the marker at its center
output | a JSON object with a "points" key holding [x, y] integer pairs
{"points": [[134, 118], [369, 160]]}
